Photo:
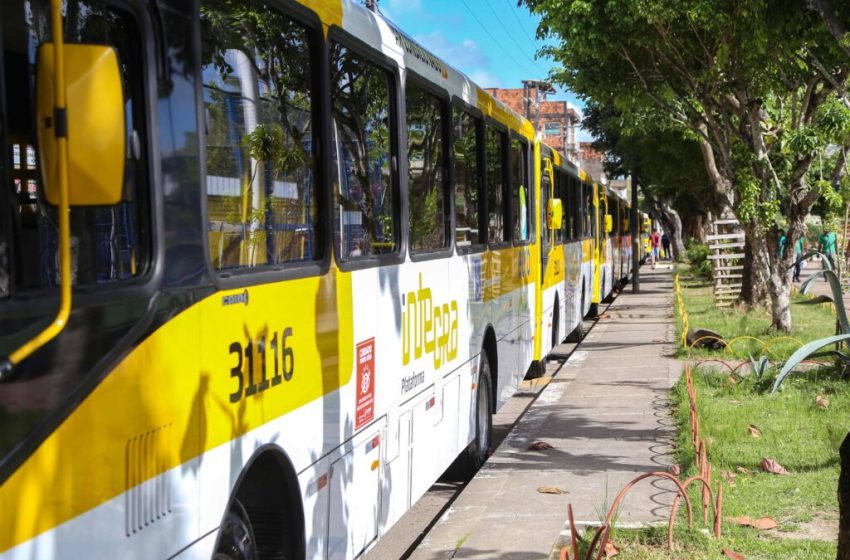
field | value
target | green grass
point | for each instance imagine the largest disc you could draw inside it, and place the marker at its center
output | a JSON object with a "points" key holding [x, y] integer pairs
{"points": [[809, 322], [795, 432]]}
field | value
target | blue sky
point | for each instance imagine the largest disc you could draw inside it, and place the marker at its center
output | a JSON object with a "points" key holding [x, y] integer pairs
{"points": [[491, 41]]}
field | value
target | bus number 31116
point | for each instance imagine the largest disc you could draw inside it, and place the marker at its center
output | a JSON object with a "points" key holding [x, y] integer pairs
{"points": [[277, 352]]}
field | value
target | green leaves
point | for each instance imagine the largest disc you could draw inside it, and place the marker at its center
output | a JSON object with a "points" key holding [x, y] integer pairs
{"points": [[832, 121], [813, 348], [807, 351], [267, 143], [804, 140]]}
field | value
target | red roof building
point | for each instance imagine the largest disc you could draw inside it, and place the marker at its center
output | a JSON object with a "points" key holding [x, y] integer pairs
{"points": [[556, 121], [591, 161]]}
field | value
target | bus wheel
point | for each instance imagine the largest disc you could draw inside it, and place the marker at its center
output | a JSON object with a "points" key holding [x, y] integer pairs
{"points": [[236, 540], [577, 333], [556, 327], [593, 312], [471, 458]]}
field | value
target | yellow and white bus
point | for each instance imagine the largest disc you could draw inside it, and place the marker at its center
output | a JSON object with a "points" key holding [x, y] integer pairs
{"points": [[618, 207], [569, 257], [267, 268]]}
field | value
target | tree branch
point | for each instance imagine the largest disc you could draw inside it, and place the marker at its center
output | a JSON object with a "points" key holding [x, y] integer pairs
{"points": [[831, 21]]}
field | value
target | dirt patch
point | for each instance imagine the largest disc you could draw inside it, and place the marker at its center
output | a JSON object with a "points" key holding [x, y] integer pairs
{"points": [[823, 527]]}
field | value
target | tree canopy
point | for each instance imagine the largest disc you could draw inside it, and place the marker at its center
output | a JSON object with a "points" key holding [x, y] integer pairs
{"points": [[759, 86]]}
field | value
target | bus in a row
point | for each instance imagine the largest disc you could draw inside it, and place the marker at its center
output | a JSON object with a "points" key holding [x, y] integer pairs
{"points": [[267, 269]]}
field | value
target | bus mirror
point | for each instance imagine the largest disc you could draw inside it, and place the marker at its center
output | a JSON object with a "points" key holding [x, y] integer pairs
{"points": [[554, 213], [609, 223], [93, 123]]}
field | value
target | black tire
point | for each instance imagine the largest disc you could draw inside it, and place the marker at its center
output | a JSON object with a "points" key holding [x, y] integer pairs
{"points": [[556, 326], [470, 459], [577, 333], [236, 537], [536, 369], [593, 312]]}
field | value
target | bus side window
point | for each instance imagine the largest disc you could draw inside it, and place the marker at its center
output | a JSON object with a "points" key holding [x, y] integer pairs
{"points": [[426, 158], [545, 232], [496, 169], [520, 193], [109, 244], [365, 213], [578, 209], [262, 198], [466, 142], [559, 193]]}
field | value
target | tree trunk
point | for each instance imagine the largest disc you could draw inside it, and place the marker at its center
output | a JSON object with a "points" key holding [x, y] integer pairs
{"points": [[676, 241], [671, 222], [844, 502], [780, 302], [754, 291], [696, 229]]}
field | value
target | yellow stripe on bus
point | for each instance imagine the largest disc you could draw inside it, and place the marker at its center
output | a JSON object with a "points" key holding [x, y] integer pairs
{"points": [[506, 270], [492, 108], [330, 12], [180, 378]]}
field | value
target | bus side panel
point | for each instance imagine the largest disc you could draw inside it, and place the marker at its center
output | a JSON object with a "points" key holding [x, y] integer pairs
{"points": [[121, 481], [510, 300], [588, 269], [478, 315], [573, 281]]}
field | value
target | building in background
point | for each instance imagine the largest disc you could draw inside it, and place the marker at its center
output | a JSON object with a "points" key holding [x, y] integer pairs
{"points": [[591, 161], [555, 120]]}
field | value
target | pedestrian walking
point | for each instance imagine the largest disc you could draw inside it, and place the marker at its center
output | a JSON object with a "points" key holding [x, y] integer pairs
{"points": [[827, 245], [665, 244], [655, 244], [798, 262]]}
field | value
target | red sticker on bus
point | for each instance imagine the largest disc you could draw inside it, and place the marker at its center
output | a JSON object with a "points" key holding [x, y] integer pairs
{"points": [[365, 410]]}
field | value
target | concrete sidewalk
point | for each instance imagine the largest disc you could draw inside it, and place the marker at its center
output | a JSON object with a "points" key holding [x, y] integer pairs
{"points": [[605, 414]]}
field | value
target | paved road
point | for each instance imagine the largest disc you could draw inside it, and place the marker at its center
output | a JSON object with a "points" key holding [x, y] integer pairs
{"points": [[606, 417]]}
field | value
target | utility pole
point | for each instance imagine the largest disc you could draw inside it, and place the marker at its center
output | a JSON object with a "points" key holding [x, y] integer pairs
{"points": [[635, 227], [540, 87]]}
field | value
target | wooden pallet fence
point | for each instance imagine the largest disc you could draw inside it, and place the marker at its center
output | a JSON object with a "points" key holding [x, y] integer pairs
{"points": [[726, 242]]}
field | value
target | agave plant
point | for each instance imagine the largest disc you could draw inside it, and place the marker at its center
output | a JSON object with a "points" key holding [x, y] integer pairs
{"points": [[805, 286], [814, 349], [759, 367]]}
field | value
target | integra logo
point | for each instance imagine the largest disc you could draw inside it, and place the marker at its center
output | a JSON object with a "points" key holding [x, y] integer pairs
{"points": [[428, 328], [233, 299]]}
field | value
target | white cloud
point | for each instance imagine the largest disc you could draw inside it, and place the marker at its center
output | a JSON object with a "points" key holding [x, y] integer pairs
{"points": [[485, 79], [401, 6], [467, 56], [584, 136]]}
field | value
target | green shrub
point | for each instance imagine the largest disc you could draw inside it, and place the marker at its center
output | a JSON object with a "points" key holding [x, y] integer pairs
{"points": [[697, 254]]}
